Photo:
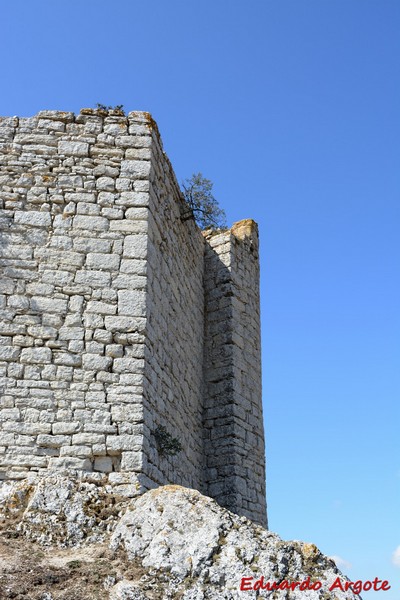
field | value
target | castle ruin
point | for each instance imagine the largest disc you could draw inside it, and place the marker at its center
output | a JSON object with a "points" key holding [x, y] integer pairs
{"points": [[129, 339]]}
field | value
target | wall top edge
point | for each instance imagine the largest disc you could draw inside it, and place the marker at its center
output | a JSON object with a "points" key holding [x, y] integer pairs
{"points": [[241, 230], [68, 117]]}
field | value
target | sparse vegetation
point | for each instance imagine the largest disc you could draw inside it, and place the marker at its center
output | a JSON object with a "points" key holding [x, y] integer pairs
{"points": [[166, 444], [119, 108], [202, 206]]}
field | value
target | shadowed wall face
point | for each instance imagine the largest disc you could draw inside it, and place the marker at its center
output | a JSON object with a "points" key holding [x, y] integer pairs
{"points": [[114, 312], [233, 421]]}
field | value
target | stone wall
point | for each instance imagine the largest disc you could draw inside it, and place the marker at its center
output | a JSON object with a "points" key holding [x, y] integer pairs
{"points": [[233, 420], [173, 392], [103, 297]]}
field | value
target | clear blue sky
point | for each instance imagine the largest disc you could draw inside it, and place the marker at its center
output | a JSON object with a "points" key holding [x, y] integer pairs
{"points": [[292, 108]]}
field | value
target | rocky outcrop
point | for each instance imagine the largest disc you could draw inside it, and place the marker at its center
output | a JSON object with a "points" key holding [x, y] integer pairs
{"points": [[171, 542]]}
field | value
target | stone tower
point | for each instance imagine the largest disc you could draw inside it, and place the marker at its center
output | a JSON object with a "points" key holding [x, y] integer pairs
{"points": [[126, 333]]}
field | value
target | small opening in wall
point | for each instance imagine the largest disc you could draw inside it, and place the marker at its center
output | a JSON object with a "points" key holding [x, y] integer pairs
{"points": [[116, 463], [107, 464]]}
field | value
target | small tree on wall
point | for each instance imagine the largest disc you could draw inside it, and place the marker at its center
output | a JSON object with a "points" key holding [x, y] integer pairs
{"points": [[205, 209]]}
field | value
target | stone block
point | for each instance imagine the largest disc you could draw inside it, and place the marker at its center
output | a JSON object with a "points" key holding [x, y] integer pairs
{"points": [[102, 336], [66, 428], [125, 324], [96, 279], [90, 223], [76, 451], [9, 414], [132, 302], [53, 441], [132, 461], [51, 305], [101, 308], [36, 355], [114, 350], [133, 266], [68, 462], [71, 333], [129, 227], [103, 464], [9, 353], [88, 439], [103, 262], [132, 413], [33, 218], [99, 450], [137, 213], [27, 428], [106, 184], [135, 246], [57, 115], [73, 148], [128, 365], [136, 199], [136, 169], [118, 443], [94, 362], [82, 208], [67, 359]]}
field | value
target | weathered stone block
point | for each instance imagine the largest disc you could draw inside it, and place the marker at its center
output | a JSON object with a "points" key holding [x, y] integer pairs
{"points": [[67, 462], [101, 308], [132, 461], [103, 464], [118, 443], [114, 350], [135, 246], [71, 333], [8, 353], [88, 439], [108, 262], [132, 303], [90, 223], [68, 359], [137, 199], [128, 365], [106, 184], [94, 362], [51, 305], [33, 218], [36, 355], [102, 336], [93, 278], [76, 451], [53, 441], [73, 148], [66, 428], [125, 324]]}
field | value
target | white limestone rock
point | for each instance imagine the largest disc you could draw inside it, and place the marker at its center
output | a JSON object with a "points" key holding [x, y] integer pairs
{"points": [[206, 550], [177, 542], [59, 511]]}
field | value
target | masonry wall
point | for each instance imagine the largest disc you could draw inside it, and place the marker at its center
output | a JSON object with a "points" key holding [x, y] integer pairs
{"points": [[173, 391], [233, 421], [118, 317], [74, 224]]}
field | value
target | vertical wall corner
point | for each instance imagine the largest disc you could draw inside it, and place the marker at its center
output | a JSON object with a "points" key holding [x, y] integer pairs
{"points": [[233, 423]]}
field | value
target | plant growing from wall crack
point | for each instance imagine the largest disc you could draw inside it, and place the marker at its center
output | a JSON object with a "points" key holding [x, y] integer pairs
{"points": [[166, 444]]}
